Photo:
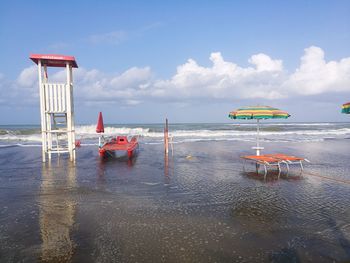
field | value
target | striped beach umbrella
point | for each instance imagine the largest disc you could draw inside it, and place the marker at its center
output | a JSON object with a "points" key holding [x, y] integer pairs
{"points": [[258, 113], [346, 108]]}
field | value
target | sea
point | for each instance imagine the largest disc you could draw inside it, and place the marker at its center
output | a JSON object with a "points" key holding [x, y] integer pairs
{"points": [[30, 135], [200, 203]]}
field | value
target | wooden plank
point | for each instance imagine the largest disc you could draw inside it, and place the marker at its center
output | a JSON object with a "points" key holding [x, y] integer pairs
{"points": [[55, 97]]}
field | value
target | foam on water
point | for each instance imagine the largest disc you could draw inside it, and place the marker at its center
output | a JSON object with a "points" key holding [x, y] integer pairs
{"points": [[286, 124], [90, 130], [153, 133]]}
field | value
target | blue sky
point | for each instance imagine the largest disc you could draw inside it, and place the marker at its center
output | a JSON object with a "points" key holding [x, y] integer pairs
{"points": [[192, 61]]}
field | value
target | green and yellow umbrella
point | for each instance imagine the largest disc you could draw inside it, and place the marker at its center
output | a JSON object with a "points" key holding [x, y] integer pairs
{"points": [[346, 108], [258, 113]]}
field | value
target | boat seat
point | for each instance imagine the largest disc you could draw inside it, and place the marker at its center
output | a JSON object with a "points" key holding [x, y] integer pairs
{"points": [[122, 140]]}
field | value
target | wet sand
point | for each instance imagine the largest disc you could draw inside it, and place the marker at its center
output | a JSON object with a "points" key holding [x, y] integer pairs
{"points": [[202, 207]]}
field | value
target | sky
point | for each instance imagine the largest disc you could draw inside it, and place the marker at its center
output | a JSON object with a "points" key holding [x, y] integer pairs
{"points": [[190, 61]]}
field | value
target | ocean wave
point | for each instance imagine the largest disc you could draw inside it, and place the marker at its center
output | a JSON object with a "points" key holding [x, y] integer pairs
{"points": [[91, 130], [235, 133], [190, 133], [21, 138], [262, 124]]}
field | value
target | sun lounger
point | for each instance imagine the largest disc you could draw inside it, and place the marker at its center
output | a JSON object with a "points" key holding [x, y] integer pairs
{"points": [[289, 159], [275, 160], [264, 160]]}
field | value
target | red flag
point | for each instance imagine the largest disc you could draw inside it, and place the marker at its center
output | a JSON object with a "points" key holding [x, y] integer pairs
{"points": [[100, 128]]}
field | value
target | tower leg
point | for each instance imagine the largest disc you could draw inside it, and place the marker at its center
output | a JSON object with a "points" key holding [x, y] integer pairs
{"points": [[43, 154], [49, 135]]}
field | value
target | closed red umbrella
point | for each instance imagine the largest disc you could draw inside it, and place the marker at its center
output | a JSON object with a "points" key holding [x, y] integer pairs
{"points": [[100, 127]]}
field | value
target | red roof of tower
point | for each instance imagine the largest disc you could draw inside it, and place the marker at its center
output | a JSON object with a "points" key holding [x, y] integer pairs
{"points": [[54, 60]]}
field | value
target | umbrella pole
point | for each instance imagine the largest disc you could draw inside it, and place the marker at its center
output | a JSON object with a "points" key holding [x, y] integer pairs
{"points": [[257, 140], [99, 141]]}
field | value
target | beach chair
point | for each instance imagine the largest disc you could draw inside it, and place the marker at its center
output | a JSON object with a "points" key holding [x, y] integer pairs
{"points": [[288, 159], [265, 161]]}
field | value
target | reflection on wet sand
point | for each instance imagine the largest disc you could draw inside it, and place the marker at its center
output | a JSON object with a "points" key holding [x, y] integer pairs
{"points": [[169, 168], [168, 165], [271, 175], [114, 158], [57, 212]]}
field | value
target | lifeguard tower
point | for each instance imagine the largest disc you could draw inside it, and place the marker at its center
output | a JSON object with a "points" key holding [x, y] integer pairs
{"points": [[56, 106]]}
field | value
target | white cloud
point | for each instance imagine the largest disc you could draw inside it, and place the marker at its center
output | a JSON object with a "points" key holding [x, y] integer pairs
{"points": [[132, 102], [28, 77], [316, 76], [132, 78], [223, 80], [128, 86], [265, 63]]}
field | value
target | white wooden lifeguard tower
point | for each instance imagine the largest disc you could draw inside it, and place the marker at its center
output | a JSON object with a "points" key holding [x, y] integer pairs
{"points": [[56, 106]]}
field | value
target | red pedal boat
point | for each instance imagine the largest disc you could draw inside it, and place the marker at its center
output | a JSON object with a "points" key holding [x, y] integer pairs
{"points": [[120, 143]]}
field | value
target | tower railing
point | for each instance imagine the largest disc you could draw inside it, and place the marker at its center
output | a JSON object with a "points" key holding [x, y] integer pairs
{"points": [[55, 97]]}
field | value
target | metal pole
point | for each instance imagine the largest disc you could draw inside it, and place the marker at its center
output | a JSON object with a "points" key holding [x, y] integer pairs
{"points": [[257, 140]]}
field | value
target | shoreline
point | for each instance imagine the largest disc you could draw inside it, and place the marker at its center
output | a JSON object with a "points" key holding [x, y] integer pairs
{"points": [[203, 209]]}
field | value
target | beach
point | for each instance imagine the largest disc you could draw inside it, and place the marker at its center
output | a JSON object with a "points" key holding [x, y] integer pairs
{"points": [[175, 131], [198, 205]]}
